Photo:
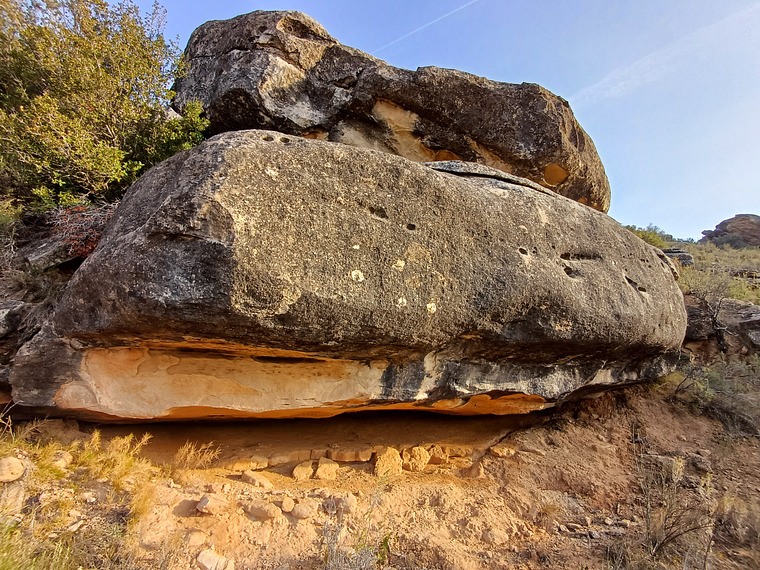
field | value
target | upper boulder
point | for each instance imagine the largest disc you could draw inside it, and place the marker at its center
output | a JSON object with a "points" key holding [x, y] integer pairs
{"points": [[740, 231], [283, 71], [261, 274]]}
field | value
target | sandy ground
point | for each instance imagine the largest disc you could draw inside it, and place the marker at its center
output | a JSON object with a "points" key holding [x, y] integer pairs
{"points": [[555, 491]]}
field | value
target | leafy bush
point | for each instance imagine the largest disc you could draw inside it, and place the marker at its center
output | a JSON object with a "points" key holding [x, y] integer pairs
{"points": [[652, 235], [84, 88]]}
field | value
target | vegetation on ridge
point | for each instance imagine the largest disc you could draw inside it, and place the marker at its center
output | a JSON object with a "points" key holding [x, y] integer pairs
{"points": [[84, 92]]}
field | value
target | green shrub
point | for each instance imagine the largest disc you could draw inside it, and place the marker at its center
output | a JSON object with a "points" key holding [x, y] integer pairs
{"points": [[84, 88], [652, 235]]}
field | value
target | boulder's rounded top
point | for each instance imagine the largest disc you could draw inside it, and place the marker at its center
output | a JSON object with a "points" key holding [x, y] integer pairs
{"points": [[283, 71]]}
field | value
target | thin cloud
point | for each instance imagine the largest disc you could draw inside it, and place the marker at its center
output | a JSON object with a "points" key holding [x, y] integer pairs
{"points": [[660, 63], [397, 40]]}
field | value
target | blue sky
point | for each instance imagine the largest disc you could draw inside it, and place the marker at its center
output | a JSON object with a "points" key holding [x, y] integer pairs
{"points": [[668, 89]]}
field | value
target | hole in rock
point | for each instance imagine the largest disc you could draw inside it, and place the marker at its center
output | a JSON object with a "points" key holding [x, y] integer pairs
{"points": [[284, 140], [554, 174], [523, 251], [287, 359], [379, 212], [267, 138], [411, 227], [570, 271], [635, 285], [579, 256]]}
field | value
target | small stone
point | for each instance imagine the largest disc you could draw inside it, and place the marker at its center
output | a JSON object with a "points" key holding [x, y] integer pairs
{"points": [[303, 471], [573, 527], [210, 560], [259, 462], [89, 497], [345, 503], [704, 452], [256, 479], [62, 459], [327, 469], [349, 503], [608, 521], [615, 532], [195, 537], [593, 534], [563, 528], [287, 505], [263, 510], [700, 463], [533, 450], [502, 450], [304, 509], [388, 462], [211, 505], [457, 450], [11, 469], [494, 537], [75, 527], [415, 459], [437, 455]]}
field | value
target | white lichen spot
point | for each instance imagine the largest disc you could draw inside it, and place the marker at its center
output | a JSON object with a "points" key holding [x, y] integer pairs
{"points": [[401, 302], [355, 246], [399, 265], [274, 173], [357, 276], [431, 307]]}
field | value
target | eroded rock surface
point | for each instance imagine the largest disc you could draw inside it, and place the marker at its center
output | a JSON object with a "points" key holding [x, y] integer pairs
{"points": [[283, 71], [272, 276]]}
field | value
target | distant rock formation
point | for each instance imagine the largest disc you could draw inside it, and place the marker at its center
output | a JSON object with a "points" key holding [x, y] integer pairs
{"points": [[283, 71], [264, 275], [740, 231]]}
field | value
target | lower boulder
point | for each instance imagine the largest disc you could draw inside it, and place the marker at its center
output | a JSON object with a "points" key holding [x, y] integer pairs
{"points": [[263, 275]]}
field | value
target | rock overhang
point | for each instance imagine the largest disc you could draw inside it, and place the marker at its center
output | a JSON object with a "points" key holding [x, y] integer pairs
{"points": [[264, 275]]}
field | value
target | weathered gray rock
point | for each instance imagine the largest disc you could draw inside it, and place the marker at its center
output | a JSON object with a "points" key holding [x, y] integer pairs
{"points": [[740, 231], [263, 275], [684, 258], [283, 71], [11, 469]]}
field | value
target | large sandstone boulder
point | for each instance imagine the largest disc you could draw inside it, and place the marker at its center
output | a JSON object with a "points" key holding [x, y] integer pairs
{"points": [[283, 71], [272, 276], [740, 231]]}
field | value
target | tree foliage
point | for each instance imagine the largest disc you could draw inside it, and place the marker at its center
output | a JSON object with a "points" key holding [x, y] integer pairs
{"points": [[652, 235], [84, 90]]}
